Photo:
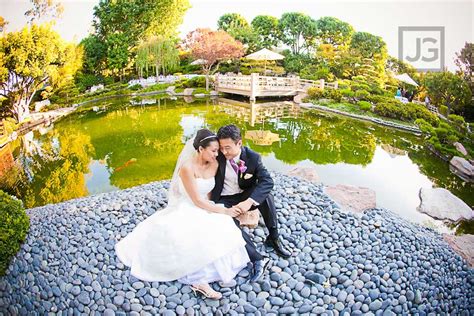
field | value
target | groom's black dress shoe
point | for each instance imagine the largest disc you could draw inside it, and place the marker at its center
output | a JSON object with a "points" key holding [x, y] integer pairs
{"points": [[276, 244], [259, 268]]}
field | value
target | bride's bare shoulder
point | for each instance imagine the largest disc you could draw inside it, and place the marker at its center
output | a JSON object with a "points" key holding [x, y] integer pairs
{"points": [[187, 167]]}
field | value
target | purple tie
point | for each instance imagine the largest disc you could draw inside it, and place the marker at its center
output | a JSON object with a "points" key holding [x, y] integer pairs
{"points": [[234, 166]]}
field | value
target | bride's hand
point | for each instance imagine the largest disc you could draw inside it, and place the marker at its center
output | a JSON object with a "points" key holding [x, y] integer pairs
{"points": [[232, 211]]}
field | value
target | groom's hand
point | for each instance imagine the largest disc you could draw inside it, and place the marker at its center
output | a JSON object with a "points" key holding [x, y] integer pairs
{"points": [[244, 206]]}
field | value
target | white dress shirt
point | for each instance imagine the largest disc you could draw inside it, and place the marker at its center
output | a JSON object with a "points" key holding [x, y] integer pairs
{"points": [[231, 180]]}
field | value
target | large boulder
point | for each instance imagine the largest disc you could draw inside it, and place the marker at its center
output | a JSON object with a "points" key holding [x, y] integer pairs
{"points": [[170, 90], [306, 173], [462, 168], [441, 204], [460, 148], [188, 91], [463, 245], [352, 198]]}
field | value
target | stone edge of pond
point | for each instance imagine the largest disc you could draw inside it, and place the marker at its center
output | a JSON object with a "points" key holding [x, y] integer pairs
{"points": [[379, 121], [140, 94], [336, 256]]}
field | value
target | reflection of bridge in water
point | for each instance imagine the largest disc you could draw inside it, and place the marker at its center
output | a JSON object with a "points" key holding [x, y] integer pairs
{"points": [[255, 85], [259, 112]]}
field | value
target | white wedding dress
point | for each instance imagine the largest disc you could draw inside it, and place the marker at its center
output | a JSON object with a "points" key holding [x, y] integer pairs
{"points": [[186, 243]]}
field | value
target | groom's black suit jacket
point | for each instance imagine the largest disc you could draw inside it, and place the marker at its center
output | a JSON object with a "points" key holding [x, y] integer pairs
{"points": [[257, 187]]}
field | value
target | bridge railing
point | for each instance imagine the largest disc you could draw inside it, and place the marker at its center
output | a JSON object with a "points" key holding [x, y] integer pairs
{"points": [[255, 85], [321, 84], [233, 82], [276, 83]]}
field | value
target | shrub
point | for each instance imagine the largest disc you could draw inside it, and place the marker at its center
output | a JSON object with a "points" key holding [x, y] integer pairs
{"points": [[333, 94], [391, 110], [108, 81], [364, 105], [14, 225], [380, 98], [362, 94], [344, 84], [441, 138], [417, 111], [135, 87], [405, 112], [197, 82], [443, 109], [316, 72], [85, 81], [458, 123], [348, 93], [425, 127], [315, 93], [156, 87]]}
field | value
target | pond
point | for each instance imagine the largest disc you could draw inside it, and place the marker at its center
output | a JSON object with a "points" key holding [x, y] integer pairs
{"points": [[120, 143]]}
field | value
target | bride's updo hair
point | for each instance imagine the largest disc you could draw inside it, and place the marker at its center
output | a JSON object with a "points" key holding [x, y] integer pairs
{"points": [[203, 138]]}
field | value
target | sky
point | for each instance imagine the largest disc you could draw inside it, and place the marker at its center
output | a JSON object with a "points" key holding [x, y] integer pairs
{"points": [[382, 18]]}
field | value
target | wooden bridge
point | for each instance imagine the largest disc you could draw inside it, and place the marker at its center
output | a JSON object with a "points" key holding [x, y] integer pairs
{"points": [[255, 85]]}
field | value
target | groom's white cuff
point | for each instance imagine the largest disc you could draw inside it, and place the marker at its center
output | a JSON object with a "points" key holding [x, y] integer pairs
{"points": [[254, 202]]}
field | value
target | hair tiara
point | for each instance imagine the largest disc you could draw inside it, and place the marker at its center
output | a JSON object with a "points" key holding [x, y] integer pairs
{"points": [[210, 136]]}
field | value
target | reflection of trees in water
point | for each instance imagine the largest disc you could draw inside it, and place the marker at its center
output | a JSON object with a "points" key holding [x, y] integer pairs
{"points": [[53, 169], [149, 138], [322, 140]]}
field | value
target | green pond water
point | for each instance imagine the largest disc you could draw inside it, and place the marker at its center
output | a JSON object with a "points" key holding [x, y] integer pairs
{"points": [[115, 144]]}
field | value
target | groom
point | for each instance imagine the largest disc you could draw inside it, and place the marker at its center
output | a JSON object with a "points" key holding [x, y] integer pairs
{"points": [[243, 181]]}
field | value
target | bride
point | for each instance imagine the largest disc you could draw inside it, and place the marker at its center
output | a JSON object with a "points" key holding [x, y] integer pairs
{"points": [[192, 240]]}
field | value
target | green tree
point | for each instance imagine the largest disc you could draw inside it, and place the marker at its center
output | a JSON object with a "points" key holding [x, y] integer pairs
{"points": [[398, 66], [122, 24], [296, 62], [238, 27], [231, 21], [30, 58], [95, 53], [159, 53], [330, 30], [446, 88], [367, 56], [117, 53], [369, 46], [266, 29], [167, 16], [298, 31]]}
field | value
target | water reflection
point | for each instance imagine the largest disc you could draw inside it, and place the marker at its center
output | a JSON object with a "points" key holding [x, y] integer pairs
{"points": [[121, 145], [49, 170]]}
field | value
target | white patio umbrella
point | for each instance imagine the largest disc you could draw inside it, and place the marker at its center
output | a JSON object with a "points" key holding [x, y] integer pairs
{"points": [[407, 79], [265, 54]]}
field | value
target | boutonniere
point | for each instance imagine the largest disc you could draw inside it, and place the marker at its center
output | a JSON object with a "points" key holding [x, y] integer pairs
{"points": [[242, 167]]}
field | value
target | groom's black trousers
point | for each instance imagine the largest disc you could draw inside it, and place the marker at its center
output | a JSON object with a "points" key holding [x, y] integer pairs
{"points": [[268, 211]]}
